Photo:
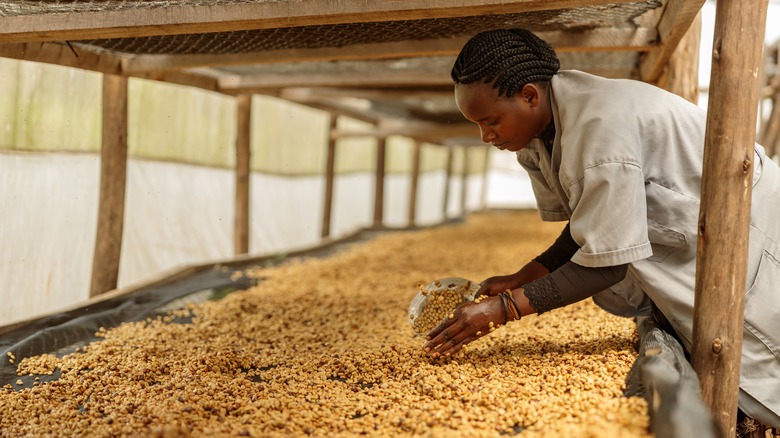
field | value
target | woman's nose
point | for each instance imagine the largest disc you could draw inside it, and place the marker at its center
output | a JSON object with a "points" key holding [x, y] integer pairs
{"points": [[487, 135]]}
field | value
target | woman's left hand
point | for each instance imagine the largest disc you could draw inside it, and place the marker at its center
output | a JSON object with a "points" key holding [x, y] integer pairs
{"points": [[470, 321]]}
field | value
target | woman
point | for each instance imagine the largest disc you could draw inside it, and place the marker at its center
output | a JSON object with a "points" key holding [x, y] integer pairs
{"points": [[621, 161]]}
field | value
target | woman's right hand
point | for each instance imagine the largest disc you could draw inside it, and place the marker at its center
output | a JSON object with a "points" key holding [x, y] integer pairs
{"points": [[495, 285], [528, 273]]}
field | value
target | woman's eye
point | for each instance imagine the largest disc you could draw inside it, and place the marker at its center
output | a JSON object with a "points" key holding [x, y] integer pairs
{"points": [[493, 123]]}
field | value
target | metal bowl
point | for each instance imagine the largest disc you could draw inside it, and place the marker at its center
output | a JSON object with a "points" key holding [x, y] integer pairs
{"points": [[467, 288]]}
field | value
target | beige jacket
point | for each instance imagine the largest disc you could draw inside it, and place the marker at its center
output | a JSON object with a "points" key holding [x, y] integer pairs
{"points": [[625, 171]]}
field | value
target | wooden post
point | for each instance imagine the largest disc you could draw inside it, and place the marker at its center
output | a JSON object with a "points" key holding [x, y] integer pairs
{"points": [[724, 215], [415, 180], [330, 167], [379, 188], [681, 74], [113, 178], [464, 181], [770, 131], [243, 172], [483, 195], [447, 182], [770, 83], [770, 137]]}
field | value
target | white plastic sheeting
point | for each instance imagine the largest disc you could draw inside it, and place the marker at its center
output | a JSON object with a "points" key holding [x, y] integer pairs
{"points": [[176, 215]]}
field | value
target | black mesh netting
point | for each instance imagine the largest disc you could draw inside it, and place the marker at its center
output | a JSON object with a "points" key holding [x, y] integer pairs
{"points": [[619, 16]]}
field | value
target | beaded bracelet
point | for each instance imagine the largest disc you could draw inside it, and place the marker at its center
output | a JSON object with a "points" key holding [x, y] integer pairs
{"points": [[514, 304], [506, 307], [514, 308]]}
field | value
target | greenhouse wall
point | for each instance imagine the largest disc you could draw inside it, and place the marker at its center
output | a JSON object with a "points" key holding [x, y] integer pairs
{"points": [[180, 182]]}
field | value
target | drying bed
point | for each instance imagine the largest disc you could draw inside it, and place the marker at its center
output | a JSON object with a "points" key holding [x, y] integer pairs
{"points": [[322, 346]]}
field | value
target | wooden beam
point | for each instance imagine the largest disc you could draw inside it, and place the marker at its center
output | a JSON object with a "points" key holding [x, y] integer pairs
{"points": [[674, 23], [681, 74], [724, 215], [602, 40], [330, 173], [336, 108], [64, 55], [569, 41], [184, 78], [271, 83], [243, 174], [414, 130], [78, 57], [401, 78], [355, 52], [379, 186], [226, 17], [113, 176], [302, 93], [414, 182], [770, 133]]}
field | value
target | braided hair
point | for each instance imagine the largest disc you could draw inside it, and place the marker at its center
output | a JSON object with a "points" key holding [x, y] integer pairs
{"points": [[509, 58]]}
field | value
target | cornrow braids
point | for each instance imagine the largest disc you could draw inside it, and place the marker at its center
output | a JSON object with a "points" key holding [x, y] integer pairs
{"points": [[508, 58]]}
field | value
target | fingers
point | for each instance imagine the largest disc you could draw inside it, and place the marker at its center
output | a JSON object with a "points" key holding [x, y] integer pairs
{"points": [[442, 333], [488, 288], [483, 290], [442, 326], [453, 345], [450, 336]]}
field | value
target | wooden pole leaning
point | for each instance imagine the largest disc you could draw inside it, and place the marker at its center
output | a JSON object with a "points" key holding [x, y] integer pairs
{"points": [[464, 187], [485, 173], [724, 215], [243, 172], [681, 74], [330, 166], [113, 179], [415, 182], [379, 188], [447, 179]]}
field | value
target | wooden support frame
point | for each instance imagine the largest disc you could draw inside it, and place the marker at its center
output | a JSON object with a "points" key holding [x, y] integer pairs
{"points": [[243, 84], [447, 180], [580, 41], [721, 264], [770, 91], [677, 18], [76, 57], [379, 186], [243, 174], [414, 182], [227, 17], [681, 74], [485, 171], [330, 171], [113, 179], [464, 187]]}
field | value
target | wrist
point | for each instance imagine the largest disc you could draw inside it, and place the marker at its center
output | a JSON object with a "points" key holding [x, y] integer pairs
{"points": [[524, 306], [511, 309]]}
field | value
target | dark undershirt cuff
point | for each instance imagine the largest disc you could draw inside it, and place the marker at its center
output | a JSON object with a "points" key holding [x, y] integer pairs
{"points": [[560, 252], [543, 294], [571, 283]]}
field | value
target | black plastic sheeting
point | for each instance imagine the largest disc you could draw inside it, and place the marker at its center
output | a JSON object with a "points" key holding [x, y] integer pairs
{"points": [[663, 375], [66, 332]]}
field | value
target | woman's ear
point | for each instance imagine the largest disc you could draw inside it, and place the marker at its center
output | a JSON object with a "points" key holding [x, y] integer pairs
{"points": [[530, 94]]}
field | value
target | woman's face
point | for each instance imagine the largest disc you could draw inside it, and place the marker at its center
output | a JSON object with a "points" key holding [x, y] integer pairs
{"points": [[508, 123]]}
